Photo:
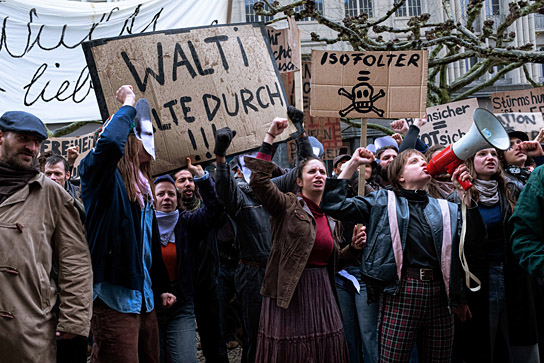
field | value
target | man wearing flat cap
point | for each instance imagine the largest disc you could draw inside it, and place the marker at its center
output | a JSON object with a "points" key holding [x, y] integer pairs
{"points": [[44, 258]]}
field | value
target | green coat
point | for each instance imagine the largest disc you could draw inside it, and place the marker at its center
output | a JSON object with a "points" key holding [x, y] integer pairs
{"points": [[528, 225]]}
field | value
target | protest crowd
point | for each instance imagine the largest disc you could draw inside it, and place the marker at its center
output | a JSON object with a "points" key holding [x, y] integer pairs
{"points": [[294, 265]]}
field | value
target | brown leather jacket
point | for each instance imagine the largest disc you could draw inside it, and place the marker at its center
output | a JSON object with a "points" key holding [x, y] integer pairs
{"points": [[293, 237]]}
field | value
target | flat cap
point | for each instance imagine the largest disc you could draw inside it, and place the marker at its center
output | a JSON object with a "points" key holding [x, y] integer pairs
{"points": [[339, 158], [23, 122], [514, 133]]}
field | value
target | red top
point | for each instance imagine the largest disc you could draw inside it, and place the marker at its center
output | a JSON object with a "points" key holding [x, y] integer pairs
{"points": [[169, 256], [264, 156], [324, 243]]}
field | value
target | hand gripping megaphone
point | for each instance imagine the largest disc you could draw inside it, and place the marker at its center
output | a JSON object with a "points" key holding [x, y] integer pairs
{"points": [[486, 132]]}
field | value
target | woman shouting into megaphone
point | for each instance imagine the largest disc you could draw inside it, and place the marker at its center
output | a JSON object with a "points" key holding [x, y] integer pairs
{"points": [[410, 254], [504, 306]]}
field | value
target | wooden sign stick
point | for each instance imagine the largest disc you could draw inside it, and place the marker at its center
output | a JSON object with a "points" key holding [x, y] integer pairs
{"points": [[362, 181]]}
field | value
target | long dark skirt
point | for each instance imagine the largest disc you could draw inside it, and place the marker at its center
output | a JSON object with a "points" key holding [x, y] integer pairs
{"points": [[309, 330]]}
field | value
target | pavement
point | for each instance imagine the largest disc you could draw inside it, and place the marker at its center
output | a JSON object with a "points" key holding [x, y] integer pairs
{"points": [[235, 355]]}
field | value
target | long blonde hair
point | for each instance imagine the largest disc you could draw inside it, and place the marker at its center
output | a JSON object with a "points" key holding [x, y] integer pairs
{"points": [[128, 167]]}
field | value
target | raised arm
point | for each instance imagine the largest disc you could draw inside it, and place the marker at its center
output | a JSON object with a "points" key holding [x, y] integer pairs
{"points": [[227, 190], [100, 164], [335, 200], [208, 213], [411, 134], [267, 192]]}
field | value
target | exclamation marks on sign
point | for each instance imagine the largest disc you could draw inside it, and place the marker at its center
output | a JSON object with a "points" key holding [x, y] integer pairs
{"points": [[208, 154], [205, 139]]}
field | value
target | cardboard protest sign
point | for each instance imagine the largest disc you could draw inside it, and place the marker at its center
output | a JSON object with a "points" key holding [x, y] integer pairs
{"points": [[326, 130], [197, 80], [306, 84], [60, 146], [285, 44], [528, 100], [448, 123], [369, 84], [288, 80], [530, 123]]}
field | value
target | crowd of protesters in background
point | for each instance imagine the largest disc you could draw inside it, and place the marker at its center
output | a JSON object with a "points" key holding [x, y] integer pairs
{"points": [[294, 265]]}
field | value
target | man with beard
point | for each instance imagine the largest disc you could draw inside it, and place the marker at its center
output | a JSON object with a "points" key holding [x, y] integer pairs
{"points": [[206, 269], [43, 254]]}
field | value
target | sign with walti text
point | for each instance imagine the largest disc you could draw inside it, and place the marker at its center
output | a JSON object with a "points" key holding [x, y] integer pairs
{"points": [[447, 123], [527, 100], [42, 64], [60, 146], [369, 84], [527, 122], [285, 46], [197, 80]]}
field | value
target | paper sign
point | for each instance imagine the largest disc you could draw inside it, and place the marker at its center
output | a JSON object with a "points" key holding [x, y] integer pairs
{"points": [[326, 130], [369, 84], [528, 100], [530, 123], [197, 80], [285, 46], [60, 146], [448, 123]]}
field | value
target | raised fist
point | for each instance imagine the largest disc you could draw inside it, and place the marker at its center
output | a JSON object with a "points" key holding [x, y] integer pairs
{"points": [[223, 139]]}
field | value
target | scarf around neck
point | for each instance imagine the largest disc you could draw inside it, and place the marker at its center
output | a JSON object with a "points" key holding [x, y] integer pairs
{"points": [[167, 222], [489, 191], [12, 179], [192, 204]]}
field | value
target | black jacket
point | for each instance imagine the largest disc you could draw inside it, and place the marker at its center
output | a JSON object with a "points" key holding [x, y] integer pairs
{"points": [[518, 285], [252, 220]]}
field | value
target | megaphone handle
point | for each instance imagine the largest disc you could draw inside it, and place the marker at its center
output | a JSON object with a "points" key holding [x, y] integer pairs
{"points": [[465, 184]]}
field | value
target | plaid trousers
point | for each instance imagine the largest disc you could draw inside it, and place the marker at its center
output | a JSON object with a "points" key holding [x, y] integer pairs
{"points": [[419, 313]]}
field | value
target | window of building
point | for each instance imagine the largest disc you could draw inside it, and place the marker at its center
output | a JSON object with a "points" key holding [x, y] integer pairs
{"points": [[251, 17], [357, 7], [470, 62], [492, 7], [318, 8], [410, 8]]}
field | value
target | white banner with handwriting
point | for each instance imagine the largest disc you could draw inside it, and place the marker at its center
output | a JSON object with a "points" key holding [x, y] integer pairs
{"points": [[43, 66]]}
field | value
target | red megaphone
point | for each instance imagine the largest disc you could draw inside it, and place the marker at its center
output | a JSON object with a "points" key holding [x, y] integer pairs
{"points": [[486, 131]]}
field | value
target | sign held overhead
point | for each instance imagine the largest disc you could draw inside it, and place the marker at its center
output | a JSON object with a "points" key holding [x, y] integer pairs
{"points": [[369, 84], [197, 80], [527, 122], [527, 100], [448, 123], [285, 46]]}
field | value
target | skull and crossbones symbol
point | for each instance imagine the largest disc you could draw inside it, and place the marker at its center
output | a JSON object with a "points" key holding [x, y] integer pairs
{"points": [[362, 97]]}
